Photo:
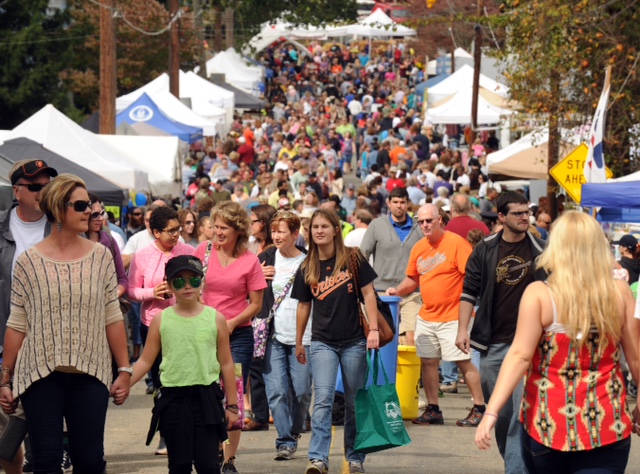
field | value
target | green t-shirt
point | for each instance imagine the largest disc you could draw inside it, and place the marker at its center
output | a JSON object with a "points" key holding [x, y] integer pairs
{"points": [[189, 349]]}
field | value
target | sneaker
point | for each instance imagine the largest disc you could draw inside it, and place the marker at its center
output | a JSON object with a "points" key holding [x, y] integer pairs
{"points": [[284, 453], [449, 387], [161, 450], [150, 390], [66, 462], [228, 467], [473, 419], [429, 417], [316, 467], [355, 466]]}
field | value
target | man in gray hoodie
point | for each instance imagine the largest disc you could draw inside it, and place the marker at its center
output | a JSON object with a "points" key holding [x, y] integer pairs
{"points": [[390, 239]]}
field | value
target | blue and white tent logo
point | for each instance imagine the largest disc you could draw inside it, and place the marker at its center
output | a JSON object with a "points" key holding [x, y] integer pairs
{"points": [[141, 113]]}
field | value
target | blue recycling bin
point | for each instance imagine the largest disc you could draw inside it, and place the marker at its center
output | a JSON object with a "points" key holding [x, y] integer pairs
{"points": [[388, 353]]}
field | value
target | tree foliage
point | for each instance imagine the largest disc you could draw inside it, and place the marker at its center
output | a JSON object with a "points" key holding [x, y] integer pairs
{"points": [[574, 42], [35, 45]]}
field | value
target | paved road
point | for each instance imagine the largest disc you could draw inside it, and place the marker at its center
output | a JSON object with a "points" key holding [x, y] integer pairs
{"points": [[446, 449]]}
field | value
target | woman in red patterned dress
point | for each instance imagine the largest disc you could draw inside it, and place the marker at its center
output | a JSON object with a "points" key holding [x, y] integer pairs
{"points": [[570, 329]]}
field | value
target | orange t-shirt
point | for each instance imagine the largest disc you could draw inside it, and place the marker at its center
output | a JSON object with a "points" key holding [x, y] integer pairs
{"points": [[249, 136], [395, 153], [441, 271]]}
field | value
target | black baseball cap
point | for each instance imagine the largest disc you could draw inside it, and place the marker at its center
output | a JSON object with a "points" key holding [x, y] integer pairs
{"points": [[181, 263], [628, 241], [31, 169]]}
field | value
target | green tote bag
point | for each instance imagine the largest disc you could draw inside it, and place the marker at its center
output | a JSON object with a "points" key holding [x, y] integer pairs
{"points": [[379, 422]]}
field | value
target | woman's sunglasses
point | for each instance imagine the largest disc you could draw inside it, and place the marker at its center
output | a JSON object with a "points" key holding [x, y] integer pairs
{"points": [[79, 206], [178, 283], [97, 215]]}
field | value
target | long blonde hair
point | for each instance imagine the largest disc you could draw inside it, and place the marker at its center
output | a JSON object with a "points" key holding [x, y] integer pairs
{"points": [[233, 215], [580, 267]]}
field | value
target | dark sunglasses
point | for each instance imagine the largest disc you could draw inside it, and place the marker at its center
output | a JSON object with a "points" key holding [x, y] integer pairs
{"points": [[425, 221], [33, 187], [137, 214], [79, 206], [97, 215], [178, 283]]}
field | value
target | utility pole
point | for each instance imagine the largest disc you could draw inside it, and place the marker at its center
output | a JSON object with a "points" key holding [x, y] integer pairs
{"points": [[174, 51], [107, 68], [197, 10], [477, 63]]}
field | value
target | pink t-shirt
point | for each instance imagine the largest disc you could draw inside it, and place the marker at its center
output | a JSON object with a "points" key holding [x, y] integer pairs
{"points": [[227, 288]]}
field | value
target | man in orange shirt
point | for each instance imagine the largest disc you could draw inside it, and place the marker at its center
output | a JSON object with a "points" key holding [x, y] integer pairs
{"points": [[437, 264], [396, 151]]}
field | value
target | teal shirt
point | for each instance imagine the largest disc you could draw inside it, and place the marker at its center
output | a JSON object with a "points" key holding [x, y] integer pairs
{"points": [[189, 349]]}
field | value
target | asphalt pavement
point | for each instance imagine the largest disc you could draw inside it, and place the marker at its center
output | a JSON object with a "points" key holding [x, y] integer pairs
{"points": [[447, 449]]}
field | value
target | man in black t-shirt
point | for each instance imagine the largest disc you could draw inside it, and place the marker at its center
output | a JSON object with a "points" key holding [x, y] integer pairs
{"points": [[497, 273]]}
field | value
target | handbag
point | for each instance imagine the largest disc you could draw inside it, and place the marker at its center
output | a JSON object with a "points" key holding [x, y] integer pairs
{"points": [[386, 325], [379, 423], [261, 325]]}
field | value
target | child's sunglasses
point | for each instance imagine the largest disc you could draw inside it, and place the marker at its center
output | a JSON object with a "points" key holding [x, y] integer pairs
{"points": [[178, 283]]}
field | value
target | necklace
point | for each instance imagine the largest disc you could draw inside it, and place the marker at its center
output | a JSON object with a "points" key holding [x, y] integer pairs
{"points": [[226, 260]]}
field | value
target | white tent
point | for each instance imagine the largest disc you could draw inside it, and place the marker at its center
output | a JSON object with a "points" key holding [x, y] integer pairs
{"points": [[458, 53], [527, 158], [251, 68], [235, 74], [159, 156], [378, 23], [461, 79], [177, 111], [60, 134], [207, 100], [456, 109], [275, 32]]}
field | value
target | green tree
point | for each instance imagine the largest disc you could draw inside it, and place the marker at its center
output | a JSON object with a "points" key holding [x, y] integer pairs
{"points": [[35, 44]]}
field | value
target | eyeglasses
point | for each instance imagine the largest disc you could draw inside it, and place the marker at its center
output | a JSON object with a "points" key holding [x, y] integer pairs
{"points": [[137, 214], [79, 206], [33, 187], [174, 231], [426, 221], [97, 215], [520, 214], [179, 283]]}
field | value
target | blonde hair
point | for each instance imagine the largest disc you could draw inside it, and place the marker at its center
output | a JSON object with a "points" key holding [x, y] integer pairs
{"points": [[234, 215], [580, 267], [55, 196]]}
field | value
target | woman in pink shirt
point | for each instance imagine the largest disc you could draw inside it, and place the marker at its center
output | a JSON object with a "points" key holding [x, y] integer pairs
{"points": [[231, 274]]}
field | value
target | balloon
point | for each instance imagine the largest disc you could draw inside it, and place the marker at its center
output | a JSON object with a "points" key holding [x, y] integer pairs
{"points": [[141, 199]]}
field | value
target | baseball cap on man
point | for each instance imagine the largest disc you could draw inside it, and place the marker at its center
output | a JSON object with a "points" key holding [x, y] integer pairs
{"points": [[183, 263], [628, 241], [31, 169]]}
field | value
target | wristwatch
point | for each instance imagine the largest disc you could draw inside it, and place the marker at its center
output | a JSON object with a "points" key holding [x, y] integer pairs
{"points": [[128, 370]]}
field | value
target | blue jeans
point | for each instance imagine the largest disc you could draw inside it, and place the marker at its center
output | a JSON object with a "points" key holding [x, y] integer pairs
{"points": [[608, 459], [508, 426], [134, 321], [81, 400], [288, 384], [325, 359], [449, 372], [242, 351]]}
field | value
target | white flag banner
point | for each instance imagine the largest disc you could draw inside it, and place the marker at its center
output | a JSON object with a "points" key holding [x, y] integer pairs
{"points": [[594, 166]]}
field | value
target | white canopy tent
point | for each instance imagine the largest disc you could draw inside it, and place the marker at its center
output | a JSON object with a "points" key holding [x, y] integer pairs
{"points": [[378, 23], [237, 75], [456, 109], [461, 79], [251, 68], [60, 134], [209, 101], [159, 156], [527, 158], [272, 33]]}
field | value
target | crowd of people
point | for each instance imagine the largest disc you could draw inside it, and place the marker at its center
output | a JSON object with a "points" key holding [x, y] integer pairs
{"points": [[270, 219]]}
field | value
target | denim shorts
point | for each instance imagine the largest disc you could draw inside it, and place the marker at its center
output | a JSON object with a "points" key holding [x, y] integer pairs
{"points": [[242, 350]]}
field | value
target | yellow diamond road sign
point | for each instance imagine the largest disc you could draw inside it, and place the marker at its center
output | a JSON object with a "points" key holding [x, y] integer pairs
{"points": [[569, 172]]}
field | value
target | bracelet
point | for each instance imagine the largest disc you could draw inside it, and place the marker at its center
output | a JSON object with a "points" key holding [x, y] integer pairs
{"points": [[491, 414], [233, 405], [5, 384]]}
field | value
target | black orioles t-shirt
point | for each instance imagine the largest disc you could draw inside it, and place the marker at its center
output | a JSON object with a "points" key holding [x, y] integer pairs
{"points": [[513, 273], [335, 312]]}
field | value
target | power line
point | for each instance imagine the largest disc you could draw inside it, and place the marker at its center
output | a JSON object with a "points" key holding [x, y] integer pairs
{"points": [[119, 14], [70, 38]]}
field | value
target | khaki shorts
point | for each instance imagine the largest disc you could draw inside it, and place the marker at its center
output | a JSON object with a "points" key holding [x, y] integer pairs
{"points": [[409, 309], [438, 341]]}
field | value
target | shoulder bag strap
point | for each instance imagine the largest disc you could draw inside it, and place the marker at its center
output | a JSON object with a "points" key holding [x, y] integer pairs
{"points": [[205, 264], [282, 296]]}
